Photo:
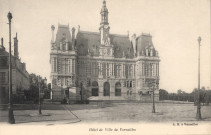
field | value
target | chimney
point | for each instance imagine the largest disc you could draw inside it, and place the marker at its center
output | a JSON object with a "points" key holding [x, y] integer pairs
{"points": [[2, 44], [2, 41], [24, 66], [134, 44], [78, 28], [67, 45], [52, 29], [16, 46], [73, 34]]}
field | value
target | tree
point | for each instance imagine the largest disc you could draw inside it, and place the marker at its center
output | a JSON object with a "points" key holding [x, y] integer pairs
{"points": [[163, 94], [33, 93]]}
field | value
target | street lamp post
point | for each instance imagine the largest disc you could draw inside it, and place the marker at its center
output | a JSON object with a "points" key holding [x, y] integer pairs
{"points": [[81, 92], [68, 94], [153, 84], [198, 114], [11, 118], [39, 82], [153, 100]]}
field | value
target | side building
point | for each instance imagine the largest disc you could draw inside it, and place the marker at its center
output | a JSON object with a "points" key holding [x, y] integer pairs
{"points": [[103, 66], [20, 76]]}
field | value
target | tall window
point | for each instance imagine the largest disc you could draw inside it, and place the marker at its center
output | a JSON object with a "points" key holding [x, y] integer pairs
{"points": [[63, 66], [96, 69], [104, 70], [73, 65], [70, 65], [143, 69], [130, 70], [59, 65], [2, 77], [2, 92], [118, 89], [118, 70], [107, 69], [54, 64], [89, 65], [123, 70], [146, 69], [66, 65]]}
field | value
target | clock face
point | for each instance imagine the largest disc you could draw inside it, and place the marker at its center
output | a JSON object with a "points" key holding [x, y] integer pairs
{"points": [[106, 26]]}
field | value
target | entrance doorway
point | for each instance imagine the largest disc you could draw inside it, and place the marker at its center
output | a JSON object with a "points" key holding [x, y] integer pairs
{"points": [[106, 89], [118, 89], [94, 88]]}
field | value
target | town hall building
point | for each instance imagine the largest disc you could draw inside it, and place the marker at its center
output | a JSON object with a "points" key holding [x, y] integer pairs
{"points": [[101, 65]]}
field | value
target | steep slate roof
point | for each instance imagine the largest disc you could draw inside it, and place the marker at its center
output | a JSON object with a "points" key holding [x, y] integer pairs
{"points": [[62, 34], [63, 31], [91, 41], [3, 53], [145, 41]]}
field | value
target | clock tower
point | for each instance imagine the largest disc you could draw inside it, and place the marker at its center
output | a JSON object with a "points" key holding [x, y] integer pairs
{"points": [[104, 25]]}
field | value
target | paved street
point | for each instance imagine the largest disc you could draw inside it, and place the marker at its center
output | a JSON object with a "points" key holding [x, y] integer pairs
{"points": [[51, 114], [140, 112], [106, 112]]}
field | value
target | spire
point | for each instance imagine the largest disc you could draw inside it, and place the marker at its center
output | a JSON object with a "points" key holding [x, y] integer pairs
{"points": [[104, 25]]}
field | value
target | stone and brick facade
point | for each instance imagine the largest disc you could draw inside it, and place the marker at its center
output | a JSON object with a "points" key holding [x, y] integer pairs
{"points": [[101, 65], [20, 76]]}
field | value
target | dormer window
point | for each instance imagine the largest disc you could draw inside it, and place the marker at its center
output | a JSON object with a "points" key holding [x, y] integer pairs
{"points": [[151, 52], [108, 51], [63, 35]]}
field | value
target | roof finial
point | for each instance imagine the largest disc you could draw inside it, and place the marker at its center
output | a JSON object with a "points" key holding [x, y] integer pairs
{"points": [[78, 28], [104, 3]]}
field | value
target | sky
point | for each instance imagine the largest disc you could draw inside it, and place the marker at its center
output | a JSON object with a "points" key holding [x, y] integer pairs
{"points": [[174, 25]]}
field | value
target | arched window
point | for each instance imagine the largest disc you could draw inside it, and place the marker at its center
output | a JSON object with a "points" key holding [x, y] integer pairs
{"points": [[130, 92], [106, 89], [118, 89]]}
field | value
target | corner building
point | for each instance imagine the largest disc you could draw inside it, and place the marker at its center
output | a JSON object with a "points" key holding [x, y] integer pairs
{"points": [[20, 76], [101, 65]]}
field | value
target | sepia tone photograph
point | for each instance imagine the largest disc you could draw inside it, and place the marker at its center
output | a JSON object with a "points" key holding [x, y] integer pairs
{"points": [[105, 67]]}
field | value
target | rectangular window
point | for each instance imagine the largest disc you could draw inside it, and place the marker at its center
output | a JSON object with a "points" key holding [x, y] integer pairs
{"points": [[66, 63], [73, 66], [133, 83], [59, 66], [3, 92], [123, 70], [53, 64], [107, 69], [130, 70], [2, 77], [104, 70], [97, 69], [119, 70], [115, 70]]}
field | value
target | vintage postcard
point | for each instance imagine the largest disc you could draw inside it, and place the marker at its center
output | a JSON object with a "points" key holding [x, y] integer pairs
{"points": [[105, 67]]}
